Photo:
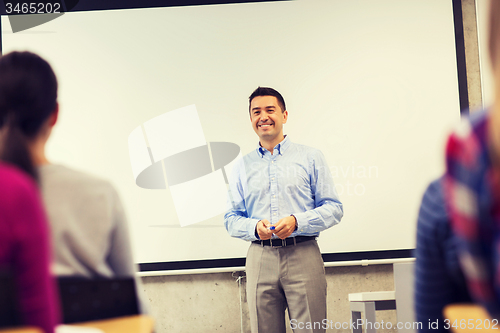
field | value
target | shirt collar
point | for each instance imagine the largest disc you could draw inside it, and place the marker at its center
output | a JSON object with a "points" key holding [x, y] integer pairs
{"points": [[281, 147]]}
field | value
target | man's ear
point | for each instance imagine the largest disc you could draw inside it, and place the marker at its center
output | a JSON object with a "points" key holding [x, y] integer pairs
{"points": [[285, 116], [53, 117]]}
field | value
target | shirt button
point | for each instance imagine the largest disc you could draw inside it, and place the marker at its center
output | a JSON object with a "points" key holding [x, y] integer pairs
{"points": [[272, 179], [274, 196], [274, 214]]}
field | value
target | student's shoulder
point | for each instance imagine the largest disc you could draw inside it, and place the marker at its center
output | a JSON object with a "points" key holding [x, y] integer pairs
{"points": [[433, 201], [62, 176], [10, 174], [15, 183]]}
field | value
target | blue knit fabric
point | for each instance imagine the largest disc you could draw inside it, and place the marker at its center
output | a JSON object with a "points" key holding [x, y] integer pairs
{"points": [[438, 278]]}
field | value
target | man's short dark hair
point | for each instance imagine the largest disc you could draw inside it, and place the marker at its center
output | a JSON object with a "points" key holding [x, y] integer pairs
{"points": [[266, 91]]}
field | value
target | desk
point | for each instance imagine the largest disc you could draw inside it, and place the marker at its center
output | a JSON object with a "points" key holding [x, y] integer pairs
{"points": [[368, 303], [130, 324], [470, 318], [24, 329]]}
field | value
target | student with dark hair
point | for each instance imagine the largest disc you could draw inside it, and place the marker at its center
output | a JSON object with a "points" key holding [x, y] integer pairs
{"points": [[89, 230], [472, 188], [24, 234], [28, 95], [281, 197], [25, 249]]}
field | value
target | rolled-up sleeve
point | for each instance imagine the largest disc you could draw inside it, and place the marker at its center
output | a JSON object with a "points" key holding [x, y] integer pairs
{"points": [[236, 219], [328, 209]]}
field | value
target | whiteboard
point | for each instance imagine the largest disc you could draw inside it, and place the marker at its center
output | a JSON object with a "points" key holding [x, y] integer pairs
{"points": [[371, 83]]}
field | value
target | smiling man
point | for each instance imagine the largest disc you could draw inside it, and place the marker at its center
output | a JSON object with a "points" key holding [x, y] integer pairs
{"points": [[281, 197]]}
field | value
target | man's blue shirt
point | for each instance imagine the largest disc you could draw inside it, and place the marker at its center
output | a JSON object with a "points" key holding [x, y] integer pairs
{"points": [[294, 180]]}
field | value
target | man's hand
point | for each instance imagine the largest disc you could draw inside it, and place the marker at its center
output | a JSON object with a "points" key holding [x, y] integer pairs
{"points": [[262, 230], [285, 227]]}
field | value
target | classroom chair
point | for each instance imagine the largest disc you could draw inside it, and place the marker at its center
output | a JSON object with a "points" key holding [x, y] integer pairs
{"points": [[95, 299]]}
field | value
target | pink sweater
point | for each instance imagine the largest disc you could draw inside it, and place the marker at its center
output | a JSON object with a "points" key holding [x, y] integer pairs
{"points": [[24, 248]]}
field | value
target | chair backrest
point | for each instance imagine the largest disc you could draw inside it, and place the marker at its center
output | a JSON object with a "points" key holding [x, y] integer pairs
{"points": [[94, 299], [9, 310]]}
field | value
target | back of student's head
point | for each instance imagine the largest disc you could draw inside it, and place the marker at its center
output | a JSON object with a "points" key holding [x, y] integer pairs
{"points": [[28, 96]]}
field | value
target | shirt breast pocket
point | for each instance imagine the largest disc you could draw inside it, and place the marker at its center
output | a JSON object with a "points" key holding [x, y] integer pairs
{"points": [[259, 186], [298, 182]]}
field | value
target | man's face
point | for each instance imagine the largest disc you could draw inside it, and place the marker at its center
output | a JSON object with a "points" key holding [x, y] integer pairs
{"points": [[267, 117]]}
